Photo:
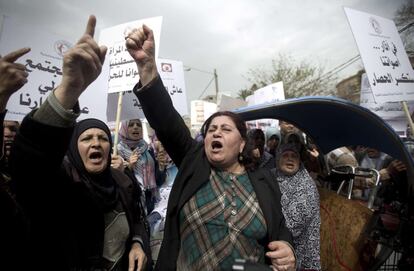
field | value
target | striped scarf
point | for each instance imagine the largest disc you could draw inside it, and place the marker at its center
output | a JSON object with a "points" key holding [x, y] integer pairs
{"points": [[144, 169]]}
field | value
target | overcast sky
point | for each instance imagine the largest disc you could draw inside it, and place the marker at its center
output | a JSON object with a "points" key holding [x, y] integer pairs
{"points": [[228, 35]]}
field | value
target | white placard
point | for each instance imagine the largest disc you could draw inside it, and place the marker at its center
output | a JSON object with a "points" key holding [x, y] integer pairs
{"points": [[172, 75], [44, 64], [382, 51], [392, 112], [123, 72], [250, 100], [399, 126], [200, 111], [268, 94], [387, 111]]}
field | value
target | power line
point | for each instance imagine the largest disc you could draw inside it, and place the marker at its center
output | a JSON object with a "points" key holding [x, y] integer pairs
{"points": [[215, 78], [344, 65], [339, 68], [209, 83], [352, 60], [406, 27]]}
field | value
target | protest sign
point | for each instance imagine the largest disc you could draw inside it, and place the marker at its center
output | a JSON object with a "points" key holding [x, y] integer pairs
{"points": [[123, 72], [268, 94], [172, 75], [391, 112], [44, 64], [388, 68]]}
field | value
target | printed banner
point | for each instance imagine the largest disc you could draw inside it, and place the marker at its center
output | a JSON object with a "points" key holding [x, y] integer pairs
{"points": [[123, 72], [388, 68], [392, 112], [172, 75], [44, 64]]}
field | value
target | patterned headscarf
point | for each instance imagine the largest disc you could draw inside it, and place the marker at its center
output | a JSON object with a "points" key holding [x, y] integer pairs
{"points": [[123, 134], [144, 169], [300, 206]]}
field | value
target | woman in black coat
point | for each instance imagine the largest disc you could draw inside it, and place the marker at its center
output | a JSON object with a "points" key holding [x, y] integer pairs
{"points": [[82, 212], [218, 209]]}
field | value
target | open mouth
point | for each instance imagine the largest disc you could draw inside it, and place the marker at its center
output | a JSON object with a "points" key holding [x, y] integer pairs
{"points": [[8, 144], [215, 145], [95, 156]]}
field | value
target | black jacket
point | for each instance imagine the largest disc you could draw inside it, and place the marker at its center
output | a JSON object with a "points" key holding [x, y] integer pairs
{"points": [[66, 224], [194, 171]]}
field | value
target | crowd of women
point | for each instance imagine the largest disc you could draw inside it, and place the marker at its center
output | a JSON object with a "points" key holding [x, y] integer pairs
{"points": [[78, 206]]}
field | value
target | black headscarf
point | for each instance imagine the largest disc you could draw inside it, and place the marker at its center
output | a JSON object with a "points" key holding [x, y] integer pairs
{"points": [[101, 186]]}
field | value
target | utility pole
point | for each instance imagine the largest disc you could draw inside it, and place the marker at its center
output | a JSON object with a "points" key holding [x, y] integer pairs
{"points": [[215, 78], [216, 84]]}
